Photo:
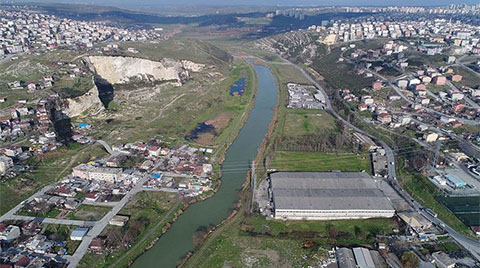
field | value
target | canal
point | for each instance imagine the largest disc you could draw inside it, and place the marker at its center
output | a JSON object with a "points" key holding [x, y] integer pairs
{"points": [[178, 240]]}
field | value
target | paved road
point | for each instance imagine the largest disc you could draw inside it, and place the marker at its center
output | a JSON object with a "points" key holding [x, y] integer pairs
{"points": [[101, 224], [11, 213], [53, 220]]}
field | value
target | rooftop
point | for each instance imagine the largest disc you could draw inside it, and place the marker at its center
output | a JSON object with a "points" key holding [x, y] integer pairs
{"points": [[327, 191]]}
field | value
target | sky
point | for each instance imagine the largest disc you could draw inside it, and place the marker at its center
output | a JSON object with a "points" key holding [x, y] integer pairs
{"points": [[133, 3]]}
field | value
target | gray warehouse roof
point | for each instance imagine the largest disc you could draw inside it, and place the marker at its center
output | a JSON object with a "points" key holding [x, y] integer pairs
{"points": [[327, 191]]}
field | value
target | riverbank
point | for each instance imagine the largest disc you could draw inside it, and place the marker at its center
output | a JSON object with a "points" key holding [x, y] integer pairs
{"points": [[202, 217], [243, 205]]}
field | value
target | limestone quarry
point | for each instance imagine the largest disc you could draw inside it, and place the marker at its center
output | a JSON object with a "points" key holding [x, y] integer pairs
{"points": [[121, 70], [89, 100]]}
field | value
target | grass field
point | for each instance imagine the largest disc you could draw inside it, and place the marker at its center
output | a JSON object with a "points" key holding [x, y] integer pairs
{"points": [[148, 207], [303, 121], [300, 161], [470, 78], [339, 75], [89, 213]]}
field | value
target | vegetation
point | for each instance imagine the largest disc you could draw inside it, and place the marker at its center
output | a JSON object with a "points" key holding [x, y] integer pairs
{"points": [[304, 161], [269, 243], [89, 213], [148, 216], [425, 192]]}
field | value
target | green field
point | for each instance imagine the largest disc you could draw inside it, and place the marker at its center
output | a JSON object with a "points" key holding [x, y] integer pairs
{"points": [[339, 75], [89, 213], [303, 121], [300, 161], [470, 78]]}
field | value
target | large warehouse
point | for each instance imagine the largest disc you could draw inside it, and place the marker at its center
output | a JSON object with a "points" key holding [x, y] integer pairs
{"points": [[327, 196]]}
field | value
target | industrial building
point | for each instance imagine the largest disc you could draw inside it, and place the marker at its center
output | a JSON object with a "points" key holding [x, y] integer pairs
{"points": [[454, 181], [327, 196]]}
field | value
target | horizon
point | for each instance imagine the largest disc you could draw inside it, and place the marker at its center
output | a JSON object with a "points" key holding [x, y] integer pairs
{"points": [[129, 4]]}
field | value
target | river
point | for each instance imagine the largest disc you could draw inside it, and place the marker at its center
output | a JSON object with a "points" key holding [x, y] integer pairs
{"points": [[178, 240]]}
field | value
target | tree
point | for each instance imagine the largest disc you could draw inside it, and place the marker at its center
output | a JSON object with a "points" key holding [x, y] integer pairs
{"points": [[410, 260]]}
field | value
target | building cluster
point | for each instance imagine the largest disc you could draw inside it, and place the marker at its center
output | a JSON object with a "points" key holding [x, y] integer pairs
{"points": [[464, 37], [304, 97], [24, 244], [32, 122], [22, 30]]}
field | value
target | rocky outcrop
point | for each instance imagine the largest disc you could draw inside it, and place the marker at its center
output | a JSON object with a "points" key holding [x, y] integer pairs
{"points": [[122, 70], [88, 101]]}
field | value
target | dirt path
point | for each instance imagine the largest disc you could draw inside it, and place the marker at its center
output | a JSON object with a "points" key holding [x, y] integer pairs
{"points": [[166, 106]]}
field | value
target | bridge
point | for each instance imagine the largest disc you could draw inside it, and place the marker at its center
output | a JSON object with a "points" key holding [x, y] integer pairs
{"points": [[106, 146]]}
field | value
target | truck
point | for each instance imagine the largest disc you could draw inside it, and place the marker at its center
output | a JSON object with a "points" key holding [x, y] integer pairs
{"points": [[431, 212]]}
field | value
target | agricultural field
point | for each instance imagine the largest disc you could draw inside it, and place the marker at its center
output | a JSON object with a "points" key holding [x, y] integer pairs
{"points": [[149, 213], [305, 161]]}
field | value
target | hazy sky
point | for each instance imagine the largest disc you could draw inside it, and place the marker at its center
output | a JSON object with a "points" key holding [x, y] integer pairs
{"points": [[133, 3]]}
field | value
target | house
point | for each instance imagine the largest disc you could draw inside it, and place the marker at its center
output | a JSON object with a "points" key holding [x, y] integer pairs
{"points": [[78, 233], [362, 107], [431, 137], [456, 78], [6, 163], [384, 118], [439, 80], [402, 83], [13, 151], [442, 260], [31, 86], [118, 220], [456, 95], [155, 151], [10, 233], [377, 85], [92, 196]]}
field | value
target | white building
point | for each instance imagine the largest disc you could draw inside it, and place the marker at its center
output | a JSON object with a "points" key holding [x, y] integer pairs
{"points": [[10, 233], [327, 196]]}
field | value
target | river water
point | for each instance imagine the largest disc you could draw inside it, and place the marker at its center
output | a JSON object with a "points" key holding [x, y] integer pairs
{"points": [[178, 240]]}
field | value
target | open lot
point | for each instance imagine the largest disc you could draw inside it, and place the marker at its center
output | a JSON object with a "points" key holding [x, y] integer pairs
{"points": [[89, 213], [302, 161], [302, 121], [258, 242]]}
